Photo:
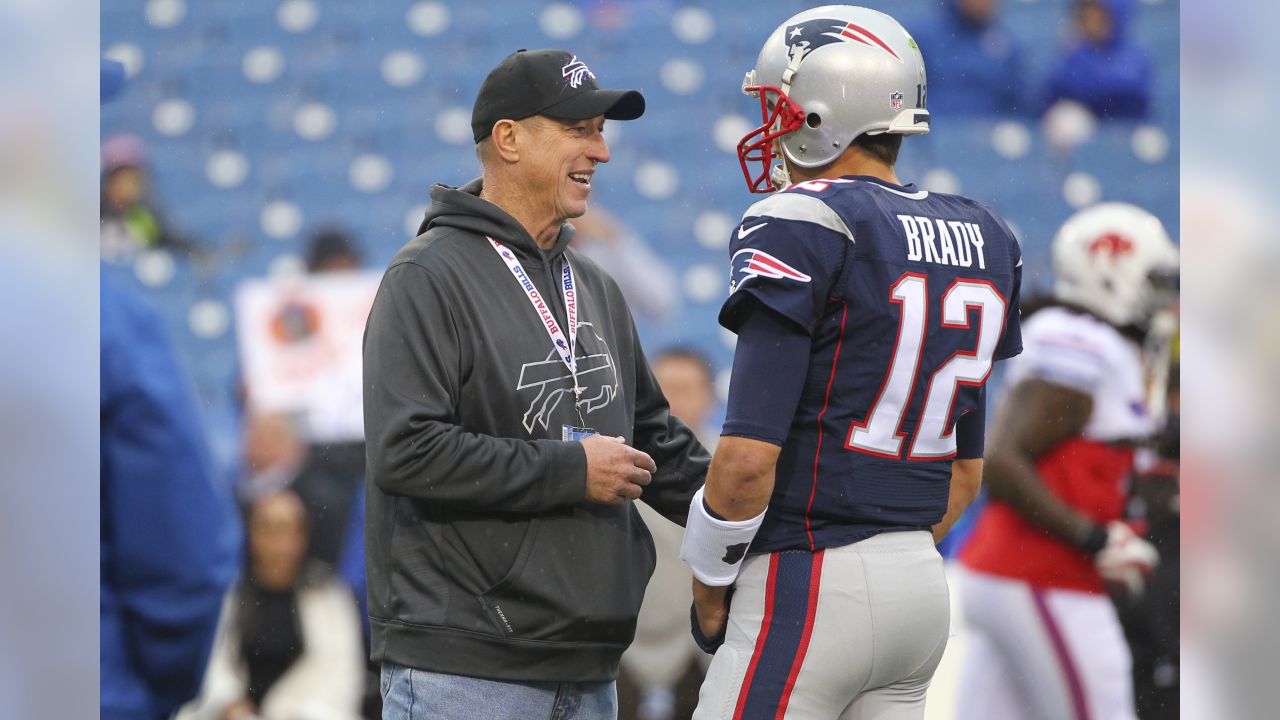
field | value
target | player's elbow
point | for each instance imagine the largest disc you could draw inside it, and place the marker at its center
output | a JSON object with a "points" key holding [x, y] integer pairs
{"points": [[744, 464], [741, 476]]}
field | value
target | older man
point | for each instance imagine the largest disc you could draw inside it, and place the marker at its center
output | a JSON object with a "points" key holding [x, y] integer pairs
{"points": [[511, 420]]}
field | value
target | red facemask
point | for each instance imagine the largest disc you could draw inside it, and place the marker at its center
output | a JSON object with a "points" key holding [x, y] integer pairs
{"points": [[757, 146]]}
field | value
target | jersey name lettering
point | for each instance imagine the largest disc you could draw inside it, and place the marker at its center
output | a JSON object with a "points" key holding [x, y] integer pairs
{"points": [[944, 242]]}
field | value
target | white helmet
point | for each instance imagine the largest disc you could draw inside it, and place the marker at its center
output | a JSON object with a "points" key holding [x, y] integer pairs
{"points": [[1117, 261], [826, 76]]}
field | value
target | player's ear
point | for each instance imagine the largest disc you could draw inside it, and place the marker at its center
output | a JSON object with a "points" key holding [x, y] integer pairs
{"points": [[506, 139]]}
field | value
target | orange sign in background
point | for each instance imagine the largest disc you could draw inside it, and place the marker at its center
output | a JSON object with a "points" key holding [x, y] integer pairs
{"points": [[300, 349]]}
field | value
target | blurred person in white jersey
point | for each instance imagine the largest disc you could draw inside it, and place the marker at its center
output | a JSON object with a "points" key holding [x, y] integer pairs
{"points": [[1045, 640]]}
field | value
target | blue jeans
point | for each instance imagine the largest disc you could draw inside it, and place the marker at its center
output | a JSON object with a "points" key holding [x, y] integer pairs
{"points": [[409, 694]]}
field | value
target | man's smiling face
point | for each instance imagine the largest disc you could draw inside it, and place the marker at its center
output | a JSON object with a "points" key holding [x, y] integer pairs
{"points": [[562, 158]]}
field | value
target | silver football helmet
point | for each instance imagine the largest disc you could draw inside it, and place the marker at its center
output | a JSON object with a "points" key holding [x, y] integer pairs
{"points": [[1117, 261], [823, 78]]}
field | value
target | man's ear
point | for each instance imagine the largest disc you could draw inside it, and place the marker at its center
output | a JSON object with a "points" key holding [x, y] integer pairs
{"points": [[506, 138]]}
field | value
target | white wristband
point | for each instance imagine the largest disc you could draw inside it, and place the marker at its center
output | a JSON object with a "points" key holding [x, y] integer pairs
{"points": [[715, 548]]}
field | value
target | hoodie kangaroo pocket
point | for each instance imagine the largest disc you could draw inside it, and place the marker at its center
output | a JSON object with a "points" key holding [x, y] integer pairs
{"points": [[573, 581], [488, 603]]}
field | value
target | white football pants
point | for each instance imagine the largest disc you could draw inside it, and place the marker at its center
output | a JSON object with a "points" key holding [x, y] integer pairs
{"points": [[1040, 653], [849, 633]]}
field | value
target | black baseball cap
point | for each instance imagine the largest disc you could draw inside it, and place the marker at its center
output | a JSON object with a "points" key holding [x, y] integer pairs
{"points": [[554, 83]]}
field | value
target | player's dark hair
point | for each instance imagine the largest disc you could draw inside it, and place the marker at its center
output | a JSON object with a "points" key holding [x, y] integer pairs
{"points": [[685, 352], [883, 147]]}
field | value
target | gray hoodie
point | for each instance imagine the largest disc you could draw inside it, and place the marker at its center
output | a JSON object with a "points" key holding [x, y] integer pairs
{"points": [[483, 556]]}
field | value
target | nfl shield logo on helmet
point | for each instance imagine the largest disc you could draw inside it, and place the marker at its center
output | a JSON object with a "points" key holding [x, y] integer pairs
{"points": [[895, 101]]}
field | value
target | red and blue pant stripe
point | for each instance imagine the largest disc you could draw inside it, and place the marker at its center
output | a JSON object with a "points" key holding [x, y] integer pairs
{"points": [[791, 602]]}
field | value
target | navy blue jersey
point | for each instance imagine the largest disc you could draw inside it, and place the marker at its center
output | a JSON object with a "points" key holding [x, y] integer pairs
{"points": [[908, 297]]}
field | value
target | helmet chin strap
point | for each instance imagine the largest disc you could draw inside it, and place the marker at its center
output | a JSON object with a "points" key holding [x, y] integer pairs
{"points": [[779, 175]]}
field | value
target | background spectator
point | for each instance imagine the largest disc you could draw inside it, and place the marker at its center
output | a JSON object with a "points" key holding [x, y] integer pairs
{"points": [[280, 447], [130, 221], [1104, 69], [276, 458], [273, 454], [333, 250], [972, 60], [334, 474], [288, 644], [168, 531], [663, 668]]}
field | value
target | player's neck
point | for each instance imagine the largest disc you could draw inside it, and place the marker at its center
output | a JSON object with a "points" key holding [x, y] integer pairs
{"points": [[851, 163]]}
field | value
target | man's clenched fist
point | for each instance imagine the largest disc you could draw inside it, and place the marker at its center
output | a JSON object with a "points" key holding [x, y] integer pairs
{"points": [[615, 472]]}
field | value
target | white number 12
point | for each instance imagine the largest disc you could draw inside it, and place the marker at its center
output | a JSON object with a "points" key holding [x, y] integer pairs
{"points": [[880, 434]]}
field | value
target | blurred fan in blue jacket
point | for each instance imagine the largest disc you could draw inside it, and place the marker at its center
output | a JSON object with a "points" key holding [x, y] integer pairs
{"points": [[170, 539], [973, 62], [169, 536], [1105, 70]]}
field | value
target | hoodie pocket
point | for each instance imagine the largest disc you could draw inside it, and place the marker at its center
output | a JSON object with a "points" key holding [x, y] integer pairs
{"points": [[577, 578], [488, 603]]}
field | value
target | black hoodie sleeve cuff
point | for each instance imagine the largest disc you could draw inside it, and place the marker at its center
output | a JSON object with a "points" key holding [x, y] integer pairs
{"points": [[566, 479]]}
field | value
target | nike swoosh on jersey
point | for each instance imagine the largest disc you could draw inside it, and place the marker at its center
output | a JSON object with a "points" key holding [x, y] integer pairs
{"points": [[743, 232]]}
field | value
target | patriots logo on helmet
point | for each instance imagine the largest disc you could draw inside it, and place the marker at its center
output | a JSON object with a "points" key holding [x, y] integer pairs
{"points": [[749, 263], [810, 35]]}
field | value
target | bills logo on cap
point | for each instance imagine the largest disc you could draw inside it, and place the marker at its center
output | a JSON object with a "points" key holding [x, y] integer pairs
{"points": [[895, 101], [749, 263], [813, 34], [575, 71]]}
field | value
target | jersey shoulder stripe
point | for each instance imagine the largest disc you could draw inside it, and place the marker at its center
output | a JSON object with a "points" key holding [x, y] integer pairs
{"points": [[803, 208]]}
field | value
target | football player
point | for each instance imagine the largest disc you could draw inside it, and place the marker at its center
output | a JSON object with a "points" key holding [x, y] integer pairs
{"points": [[1045, 639], [868, 313]]}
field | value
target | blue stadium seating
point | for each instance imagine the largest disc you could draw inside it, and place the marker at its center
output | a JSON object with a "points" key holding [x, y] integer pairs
{"points": [[338, 62]]}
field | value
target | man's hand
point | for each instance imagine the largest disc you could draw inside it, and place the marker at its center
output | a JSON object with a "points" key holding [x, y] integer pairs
{"points": [[1127, 560], [710, 615], [615, 472]]}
